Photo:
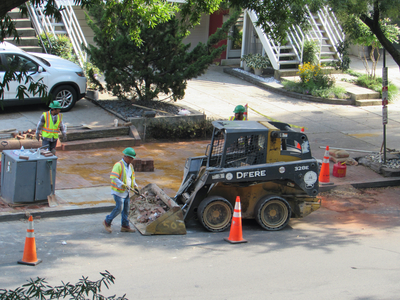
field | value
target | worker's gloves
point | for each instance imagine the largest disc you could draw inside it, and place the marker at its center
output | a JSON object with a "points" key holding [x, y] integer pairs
{"points": [[37, 137], [136, 190]]}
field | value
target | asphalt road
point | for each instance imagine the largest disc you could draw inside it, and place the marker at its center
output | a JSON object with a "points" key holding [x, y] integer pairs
{"points": [[349, 249]]}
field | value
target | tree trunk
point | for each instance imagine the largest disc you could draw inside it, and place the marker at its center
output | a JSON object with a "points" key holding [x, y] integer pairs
{"points": [[376, 29]]}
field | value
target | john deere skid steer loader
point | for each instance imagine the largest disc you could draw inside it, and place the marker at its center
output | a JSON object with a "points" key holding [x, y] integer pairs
{"points": [[267, 164]]}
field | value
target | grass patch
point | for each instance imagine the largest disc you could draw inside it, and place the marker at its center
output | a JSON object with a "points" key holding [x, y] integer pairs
{"points": [[327, 92], [374, 84]]}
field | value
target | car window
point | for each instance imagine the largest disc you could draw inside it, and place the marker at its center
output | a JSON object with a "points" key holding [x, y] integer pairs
{"points": [[20, 63], [43, 60]]}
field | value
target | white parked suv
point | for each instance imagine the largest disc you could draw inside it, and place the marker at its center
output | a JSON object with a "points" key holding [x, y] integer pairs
{"points": [[64, 79]]}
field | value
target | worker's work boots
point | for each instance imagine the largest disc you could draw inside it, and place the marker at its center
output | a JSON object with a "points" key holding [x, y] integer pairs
{"points": [[107, 226], [127, 229]]}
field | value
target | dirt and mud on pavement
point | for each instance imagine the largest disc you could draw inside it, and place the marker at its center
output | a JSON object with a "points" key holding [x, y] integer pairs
{"points": [[371, 208]]}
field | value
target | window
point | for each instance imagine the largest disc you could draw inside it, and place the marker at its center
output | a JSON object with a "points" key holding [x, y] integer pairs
{"points": [[20, 63]]}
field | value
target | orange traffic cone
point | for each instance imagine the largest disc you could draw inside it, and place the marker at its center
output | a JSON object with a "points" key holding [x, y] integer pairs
{"points": [[29, 257], [245, 113], [235, 235], [324, 173], [298, 144]]}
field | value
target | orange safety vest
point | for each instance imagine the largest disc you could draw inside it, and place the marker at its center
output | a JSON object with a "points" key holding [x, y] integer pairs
{"points": [[50, 130], [118, 171]]}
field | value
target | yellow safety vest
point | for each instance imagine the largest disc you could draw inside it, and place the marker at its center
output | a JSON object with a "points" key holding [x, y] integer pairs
{"points": [[233, 118], [118, 171], [50, 130]]}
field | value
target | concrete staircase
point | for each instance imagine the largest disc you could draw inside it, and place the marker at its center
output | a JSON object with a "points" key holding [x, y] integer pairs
{"points": [[324, 30], [85, 138], [28, 40]]}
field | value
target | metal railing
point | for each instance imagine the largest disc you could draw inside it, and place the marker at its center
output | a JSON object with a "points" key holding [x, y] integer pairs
{"points": [[72, 27]]}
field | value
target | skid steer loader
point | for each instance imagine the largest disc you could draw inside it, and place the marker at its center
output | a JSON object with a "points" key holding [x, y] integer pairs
{"points": [[267, 164]]}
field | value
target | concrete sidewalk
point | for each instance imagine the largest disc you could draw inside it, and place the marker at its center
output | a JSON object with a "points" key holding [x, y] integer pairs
{"points": [[216, 94]]}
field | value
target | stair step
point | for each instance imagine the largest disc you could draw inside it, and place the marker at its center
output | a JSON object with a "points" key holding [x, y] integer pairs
{"points": [[328, 60], [289, 62], [290, 54], [110, 142], [22, 23], [285, 47], [368, 102], [23, 41], [26, 31], [60, 32], [36, 49], [287, 72], [328, 53]]}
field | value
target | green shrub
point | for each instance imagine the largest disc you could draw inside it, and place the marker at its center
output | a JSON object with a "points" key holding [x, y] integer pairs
{"points": [[314, 90], [310, 50], [60, 46], [376, 85], [182, 130]]}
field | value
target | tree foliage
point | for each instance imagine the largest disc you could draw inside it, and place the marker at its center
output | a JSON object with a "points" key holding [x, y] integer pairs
{"points": [[83, 289], [276, 16], [360, 34], [160, 64]]}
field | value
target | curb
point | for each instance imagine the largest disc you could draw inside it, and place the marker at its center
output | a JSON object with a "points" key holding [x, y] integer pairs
{"points": [[57, 213]]}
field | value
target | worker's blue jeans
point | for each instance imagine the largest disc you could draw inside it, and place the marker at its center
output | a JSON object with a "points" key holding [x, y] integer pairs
{"points": [[121, 204]]}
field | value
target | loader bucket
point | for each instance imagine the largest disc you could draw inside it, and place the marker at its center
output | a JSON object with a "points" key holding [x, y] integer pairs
{"points": [[154, 212]]}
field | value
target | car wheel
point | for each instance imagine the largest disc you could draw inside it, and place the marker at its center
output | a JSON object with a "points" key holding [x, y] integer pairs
{"points": [[272, 213], [66, 95], [215, 213]]}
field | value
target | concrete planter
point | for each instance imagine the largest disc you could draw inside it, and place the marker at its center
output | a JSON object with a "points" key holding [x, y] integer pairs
{"points": [[258, 72], [245, 67], [142, 123], [92, 94]]}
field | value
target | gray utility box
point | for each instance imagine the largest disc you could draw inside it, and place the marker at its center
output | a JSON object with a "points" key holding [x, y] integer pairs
{"points": [[26, 180]]}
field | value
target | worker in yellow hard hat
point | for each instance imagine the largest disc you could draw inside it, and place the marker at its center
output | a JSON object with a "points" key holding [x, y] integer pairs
{"points": [[122, 181], [239, 114]]}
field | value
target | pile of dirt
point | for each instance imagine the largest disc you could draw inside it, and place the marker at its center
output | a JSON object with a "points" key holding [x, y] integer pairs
{"points": [[128, 109]]}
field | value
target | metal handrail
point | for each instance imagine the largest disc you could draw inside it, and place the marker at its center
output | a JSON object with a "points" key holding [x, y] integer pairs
{"points": [[38, 27], [70, 22]]}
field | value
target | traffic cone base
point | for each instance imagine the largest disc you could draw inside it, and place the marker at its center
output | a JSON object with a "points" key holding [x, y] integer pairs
{"points": [[235, 235], [30, 263], [29, 257]]}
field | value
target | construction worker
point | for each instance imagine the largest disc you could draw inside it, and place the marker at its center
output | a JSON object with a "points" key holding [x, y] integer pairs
{"points": [[50, 124], [239, 111], [122, 181]]}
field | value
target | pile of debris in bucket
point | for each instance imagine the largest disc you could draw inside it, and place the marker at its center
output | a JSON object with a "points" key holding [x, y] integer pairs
{"points": [[146, 208]]}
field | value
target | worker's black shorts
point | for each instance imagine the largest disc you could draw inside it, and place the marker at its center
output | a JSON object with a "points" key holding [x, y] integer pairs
{"points": [[51, 145]]}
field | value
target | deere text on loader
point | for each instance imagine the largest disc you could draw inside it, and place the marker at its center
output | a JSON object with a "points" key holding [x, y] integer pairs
{"points": [[267, 164]]}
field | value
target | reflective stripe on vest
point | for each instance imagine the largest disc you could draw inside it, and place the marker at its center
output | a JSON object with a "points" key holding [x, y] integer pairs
{"points": [[50, 130], [120, 176]]}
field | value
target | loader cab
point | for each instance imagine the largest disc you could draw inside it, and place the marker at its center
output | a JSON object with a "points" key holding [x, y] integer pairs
{"points": [[238, 144]]}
